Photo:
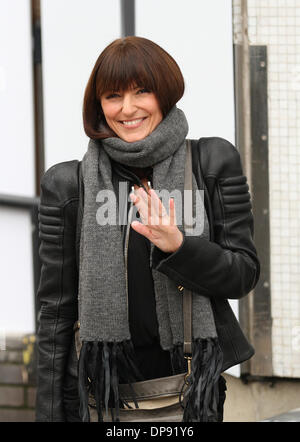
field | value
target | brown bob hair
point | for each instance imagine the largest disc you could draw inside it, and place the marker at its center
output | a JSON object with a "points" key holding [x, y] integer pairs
{"points": [[126, 62]]}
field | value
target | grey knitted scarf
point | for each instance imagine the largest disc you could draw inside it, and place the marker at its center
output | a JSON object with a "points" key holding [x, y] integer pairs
{"points": [[107, 354]]}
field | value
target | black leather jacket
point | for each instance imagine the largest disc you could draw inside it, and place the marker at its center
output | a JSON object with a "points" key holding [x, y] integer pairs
{"points": [[226, 267]]}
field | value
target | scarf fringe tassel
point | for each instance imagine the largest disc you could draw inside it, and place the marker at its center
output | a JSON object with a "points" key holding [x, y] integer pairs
{"points": [[201, 397], [103, 365]]}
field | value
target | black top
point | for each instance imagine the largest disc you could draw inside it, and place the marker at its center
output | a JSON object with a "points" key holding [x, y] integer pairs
{"points": [[153, 361], [142, 311]]}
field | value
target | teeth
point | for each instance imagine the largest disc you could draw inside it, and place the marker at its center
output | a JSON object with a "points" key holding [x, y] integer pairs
{"points": [[130, 123]]}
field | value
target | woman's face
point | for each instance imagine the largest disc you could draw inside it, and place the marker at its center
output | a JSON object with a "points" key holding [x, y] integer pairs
{"points": [[132, 114]]}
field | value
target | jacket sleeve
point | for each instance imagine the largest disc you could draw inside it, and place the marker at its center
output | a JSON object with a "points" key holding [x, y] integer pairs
{"points": [[228, 267], [57, 292]]}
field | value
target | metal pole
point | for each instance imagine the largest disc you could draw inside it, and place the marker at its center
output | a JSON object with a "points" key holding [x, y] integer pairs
{"points": [[127, 17], [38, 93]]}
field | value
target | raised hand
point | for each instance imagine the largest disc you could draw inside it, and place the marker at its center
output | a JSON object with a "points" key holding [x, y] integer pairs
{"points": [[157, 225]]}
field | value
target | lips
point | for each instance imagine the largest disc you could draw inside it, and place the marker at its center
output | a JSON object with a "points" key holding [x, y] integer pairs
{"points": [[133, 123]]}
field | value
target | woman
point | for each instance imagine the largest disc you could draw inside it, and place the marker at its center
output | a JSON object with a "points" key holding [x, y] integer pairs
{"points": [[130, 275]]}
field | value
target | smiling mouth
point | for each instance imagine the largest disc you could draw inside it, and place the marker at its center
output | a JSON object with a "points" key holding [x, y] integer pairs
{"points": [[132, 123]]}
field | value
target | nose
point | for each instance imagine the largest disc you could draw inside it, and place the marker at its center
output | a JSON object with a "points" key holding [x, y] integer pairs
{"points": [[128, 105]]}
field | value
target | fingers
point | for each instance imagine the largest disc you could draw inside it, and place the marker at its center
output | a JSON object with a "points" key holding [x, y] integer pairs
{"points": [[151, 209], [142, 229], [157, 225], [157, 206], [172, 212], [140, 200]]}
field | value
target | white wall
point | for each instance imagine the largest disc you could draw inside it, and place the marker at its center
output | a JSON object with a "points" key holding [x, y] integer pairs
{"points": [[16, 99], [16, 166], [16, 274], [278, 27], [198, 34], [74, 33]]}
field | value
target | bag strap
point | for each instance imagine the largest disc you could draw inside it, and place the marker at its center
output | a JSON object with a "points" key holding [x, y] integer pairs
{"points": [[187, 294]]}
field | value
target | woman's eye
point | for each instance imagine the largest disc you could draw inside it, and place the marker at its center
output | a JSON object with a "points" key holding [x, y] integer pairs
{"points": [[143, 90], [113, 95]]}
